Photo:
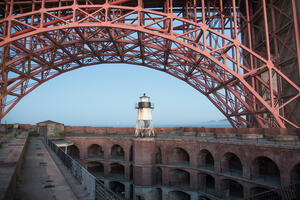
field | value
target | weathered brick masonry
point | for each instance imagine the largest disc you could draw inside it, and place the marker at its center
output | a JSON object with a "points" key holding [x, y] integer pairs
{"points": [[189, 163]]}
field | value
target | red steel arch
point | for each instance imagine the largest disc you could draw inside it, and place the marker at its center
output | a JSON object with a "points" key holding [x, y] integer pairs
{"points": [[211, 51]]}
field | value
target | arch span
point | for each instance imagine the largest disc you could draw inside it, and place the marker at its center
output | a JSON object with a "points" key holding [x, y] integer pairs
{"points": [[43, 42], [295, 174], [231, 164], [232, 189], [205, 160], [117, 152], [117, 170], [74, 151], [206, 183], [265, 170], [96, 168], [178, 156], [179, 177], [95, 151]]}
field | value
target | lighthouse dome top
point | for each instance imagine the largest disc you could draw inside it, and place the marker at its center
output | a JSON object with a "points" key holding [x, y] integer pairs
{"points": [[144, 98]]}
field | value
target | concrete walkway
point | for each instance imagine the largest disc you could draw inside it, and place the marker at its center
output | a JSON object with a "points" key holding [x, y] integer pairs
{"points": [[41, 179], [78, 189]]}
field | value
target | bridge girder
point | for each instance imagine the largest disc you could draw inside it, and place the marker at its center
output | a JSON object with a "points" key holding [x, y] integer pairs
{"points": [[226, 54]]}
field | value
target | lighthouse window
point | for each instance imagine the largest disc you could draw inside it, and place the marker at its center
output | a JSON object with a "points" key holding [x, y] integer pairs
{"points": [[145, 99]]}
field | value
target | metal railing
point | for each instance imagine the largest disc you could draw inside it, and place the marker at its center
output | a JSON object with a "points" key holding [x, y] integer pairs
{"points": [[207, 190], [232, 172], [94, 186], [207, 167], [267, 179], [291, 192]]}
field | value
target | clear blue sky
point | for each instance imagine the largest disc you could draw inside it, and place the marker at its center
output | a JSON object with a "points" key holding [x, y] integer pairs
{"points": [[105, 95]]}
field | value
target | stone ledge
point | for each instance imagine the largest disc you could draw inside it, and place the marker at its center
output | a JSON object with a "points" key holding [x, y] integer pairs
{"points": [[207, 134], [11, 156], [252, 136], [225, 135], [285, 138]]}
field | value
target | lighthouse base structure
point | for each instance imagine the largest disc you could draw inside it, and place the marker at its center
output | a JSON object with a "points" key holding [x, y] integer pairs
{"points": [[144, 128]]}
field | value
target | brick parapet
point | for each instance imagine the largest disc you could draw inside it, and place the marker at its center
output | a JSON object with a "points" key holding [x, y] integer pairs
{"points": [[144, 162]]}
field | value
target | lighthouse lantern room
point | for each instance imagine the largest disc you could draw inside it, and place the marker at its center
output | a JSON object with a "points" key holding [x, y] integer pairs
{"points": [[144, 124]]}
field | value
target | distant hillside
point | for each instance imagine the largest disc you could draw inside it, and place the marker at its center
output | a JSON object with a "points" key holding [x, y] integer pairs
{"points": [[216, 124]]}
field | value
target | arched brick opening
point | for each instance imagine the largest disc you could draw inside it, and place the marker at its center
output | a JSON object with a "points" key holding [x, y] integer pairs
{"points": [[232, 189], [158, 157], [118, 188], [265, 170], [131, 154], [178, 195], [295, 174], [95, 151], [158, 175], [179, 156], [157, 194], [117, 170], [231, 165], [117, 152], [179, 177], [206, 160], [96, 168], [206, 183], [257, 190], [73, 151]]}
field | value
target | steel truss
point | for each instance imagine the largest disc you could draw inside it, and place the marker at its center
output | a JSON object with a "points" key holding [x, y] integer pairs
{"points": [[242, 55]]}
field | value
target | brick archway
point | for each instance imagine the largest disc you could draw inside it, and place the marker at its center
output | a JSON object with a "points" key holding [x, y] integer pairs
{"points": [[95, 151], [265, 170], [178, 156]]}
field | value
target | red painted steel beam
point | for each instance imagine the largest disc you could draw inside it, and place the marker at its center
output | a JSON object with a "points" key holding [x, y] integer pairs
{"points": [[202, 55]]}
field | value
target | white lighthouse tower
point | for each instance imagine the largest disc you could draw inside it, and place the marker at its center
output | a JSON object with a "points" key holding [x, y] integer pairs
{"points": [[144, 124]]}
